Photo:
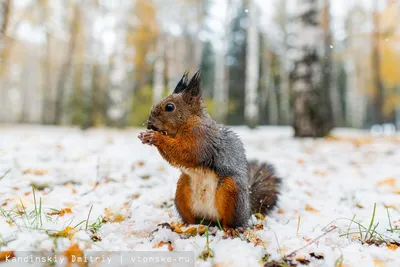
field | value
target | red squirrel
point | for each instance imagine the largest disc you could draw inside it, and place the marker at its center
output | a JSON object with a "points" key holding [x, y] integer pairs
{"points": [[217, 184]]}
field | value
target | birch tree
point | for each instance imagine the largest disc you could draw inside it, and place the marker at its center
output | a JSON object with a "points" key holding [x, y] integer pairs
{"points": [[284, 74], [251, 110], [158, 83], [310, 113], [75, 21], [5, 7], [378, 99], [221, 84]]}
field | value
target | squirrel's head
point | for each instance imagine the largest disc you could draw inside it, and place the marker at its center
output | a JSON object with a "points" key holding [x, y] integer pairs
{"points": [[173, 111]]}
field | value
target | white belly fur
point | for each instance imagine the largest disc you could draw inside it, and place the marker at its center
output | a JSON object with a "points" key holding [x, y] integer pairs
{"points": [[204, 185]]}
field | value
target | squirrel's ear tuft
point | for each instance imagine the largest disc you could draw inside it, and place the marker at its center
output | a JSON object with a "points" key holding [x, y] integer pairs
{"points": [[182, 84], [194, 86]]}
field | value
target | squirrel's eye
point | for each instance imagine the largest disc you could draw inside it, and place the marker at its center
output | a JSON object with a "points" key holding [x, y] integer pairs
{"points": [[169, 107]]}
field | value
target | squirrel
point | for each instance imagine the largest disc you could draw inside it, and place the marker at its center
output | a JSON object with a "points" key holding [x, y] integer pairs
{"points": [[217, 183]]}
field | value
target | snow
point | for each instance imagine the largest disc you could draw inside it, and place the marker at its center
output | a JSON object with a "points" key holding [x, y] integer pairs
{"points": [[325, 182]]}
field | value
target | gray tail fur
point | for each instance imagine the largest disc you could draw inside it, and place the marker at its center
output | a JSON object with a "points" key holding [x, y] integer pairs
{"points": [[264, 187]]}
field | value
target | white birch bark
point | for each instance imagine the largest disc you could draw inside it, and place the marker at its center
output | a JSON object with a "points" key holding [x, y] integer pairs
{"points": [[221, 84], [285, 110], [251, 110], [158, 83], [171, 75]]}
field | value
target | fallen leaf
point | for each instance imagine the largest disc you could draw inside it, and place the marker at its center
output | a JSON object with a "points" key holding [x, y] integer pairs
{"points": [[300, 161], [140, 163], [259, 216], [396, 191], [4, 255], [112, 217], [378, 263], [191, 231], [389, 206], [145, 177], [61, 212], [162, 243], [303, 260], [73, 253], [35, 171], [67, 232], [310, 208], [258, 226], [390, 181], [66, 210], [281, 211], [201, 230], [161, 169], [392, 246]]}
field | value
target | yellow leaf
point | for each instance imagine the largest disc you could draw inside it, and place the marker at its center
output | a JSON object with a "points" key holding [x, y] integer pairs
{"points": [[112, 217], [378, 263], [390, 181], [392, 246], [202, 229], [259, 216], [191, 231], [310, 208], [6, 255], [35, 171], [67, 232], [63, 211], [73, 253], [162, 243]]}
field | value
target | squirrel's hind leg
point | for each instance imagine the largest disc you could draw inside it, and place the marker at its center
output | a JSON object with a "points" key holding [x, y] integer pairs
{"points": [[226, 201], [183, 197]]}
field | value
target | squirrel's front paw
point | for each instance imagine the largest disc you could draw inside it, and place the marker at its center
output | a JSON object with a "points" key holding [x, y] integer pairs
{"points": [[149, 137]]}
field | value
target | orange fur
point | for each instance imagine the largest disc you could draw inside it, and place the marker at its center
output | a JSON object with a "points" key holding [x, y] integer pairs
{"points": [[183, 197], [225, 200], [181, 151]]}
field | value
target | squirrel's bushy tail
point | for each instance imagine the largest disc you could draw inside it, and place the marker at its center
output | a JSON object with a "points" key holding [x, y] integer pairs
{"points": [[264, 187]]}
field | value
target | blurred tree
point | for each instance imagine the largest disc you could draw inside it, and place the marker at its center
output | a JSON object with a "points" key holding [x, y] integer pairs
{"points": [[47, 107], [356, 67], [376, 67], [327, 60], [142, 35], [282, 20], [66, 66], [237, 64], [5, 11], [252, 67], [311, 117], [208, 69], [222, 75]]}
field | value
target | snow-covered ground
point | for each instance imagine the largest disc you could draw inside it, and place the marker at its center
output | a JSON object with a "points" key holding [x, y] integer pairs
{"points": [[125, 189]]}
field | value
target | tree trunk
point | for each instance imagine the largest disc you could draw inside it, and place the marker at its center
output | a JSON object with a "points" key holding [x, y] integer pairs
{"points": [[284, 106], [376, 69], [5, 7], [172, 79], [221, 84], [271, 97], [65, 68], [158, 83], [251, 110], [327, 60], [311, 118]]}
